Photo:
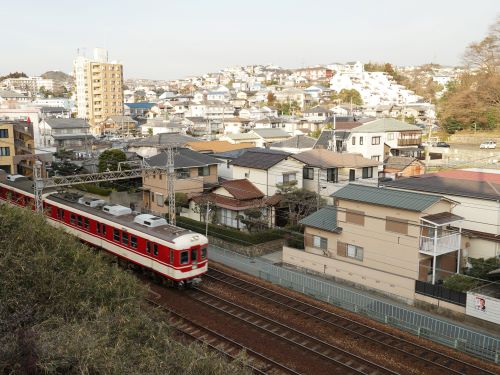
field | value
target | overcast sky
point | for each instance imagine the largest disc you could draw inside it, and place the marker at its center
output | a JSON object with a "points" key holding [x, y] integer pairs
{"points": [[171, 39]]}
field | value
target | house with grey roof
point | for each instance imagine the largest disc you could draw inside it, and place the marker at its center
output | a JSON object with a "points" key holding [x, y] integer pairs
{"points": [[326, 171], [194, 173], [267, 169], [294, 145], [152, 145], [382, 239], [67, 133]]}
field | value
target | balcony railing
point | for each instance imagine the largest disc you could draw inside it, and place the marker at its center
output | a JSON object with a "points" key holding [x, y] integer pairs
{"points": [[409, 141], [440, 245]]}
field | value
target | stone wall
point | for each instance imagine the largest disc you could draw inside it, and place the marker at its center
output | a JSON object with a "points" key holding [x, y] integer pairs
{"points": [[251, 251], [474, 139]]}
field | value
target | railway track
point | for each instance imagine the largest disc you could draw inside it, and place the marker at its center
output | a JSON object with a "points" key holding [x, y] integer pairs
{"points": [[259, 363], [411, 351], [341, 360]]}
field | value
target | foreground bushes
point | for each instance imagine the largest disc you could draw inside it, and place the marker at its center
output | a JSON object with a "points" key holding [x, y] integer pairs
{"points": [[64, 310]]}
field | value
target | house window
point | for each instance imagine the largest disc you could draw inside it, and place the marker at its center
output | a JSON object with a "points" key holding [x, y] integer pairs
{"points": [[308, 173], [390, 136], [182, 173], [289, 177], [375, 140], [4, 133], [349, 251], [355, 217], [376, 157], [4, 151], [320, 242], [367, 172], [353, 141], [159, 199], [397, 225], [228, 217], [332, 175], [361, 141], [204, 171]]}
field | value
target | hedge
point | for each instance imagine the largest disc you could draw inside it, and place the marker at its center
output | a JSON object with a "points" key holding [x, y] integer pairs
{"points": [[94, 189], [229, 234]]}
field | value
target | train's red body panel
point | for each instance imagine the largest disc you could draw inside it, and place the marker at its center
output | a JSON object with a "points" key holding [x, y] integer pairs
{"points": [[175, 253]]}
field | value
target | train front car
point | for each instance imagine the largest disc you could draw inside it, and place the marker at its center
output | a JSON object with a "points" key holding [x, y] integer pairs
{"points": [[191, 258]]}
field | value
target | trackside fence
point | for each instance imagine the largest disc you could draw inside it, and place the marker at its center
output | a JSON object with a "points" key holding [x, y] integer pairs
{"points": [[417, 323]]}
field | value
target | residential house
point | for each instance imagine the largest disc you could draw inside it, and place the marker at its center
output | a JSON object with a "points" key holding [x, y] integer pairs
{"points": [[119, 124], [326, 171], [159, 126], [17, 147], [267, 169], [269, 123], [153, 145], [385, 137], [138, 109], [235, 125], [314, 73], [194, 171], [230, 201], [266, 137], [381, 239], [396, 167], [9, 96], [479, 198], [294, 145], [67, 133], [317, 114], [249, 137]]}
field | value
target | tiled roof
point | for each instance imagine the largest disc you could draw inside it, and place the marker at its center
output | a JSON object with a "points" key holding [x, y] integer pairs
{"points": [[163, 139], [183, 158], [328, 159], [325, 218], [242, 189], [140, 105], [385, 125], [217, 146], [318, 109], [298, 141], [228, 202], [459, 183], [242, 136], [271, 133], [264, 159], [398, 163], [387, 197], [64, 123]]}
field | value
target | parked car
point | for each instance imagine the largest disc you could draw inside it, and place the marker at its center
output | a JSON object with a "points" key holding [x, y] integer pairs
{"points": [[442, 144], [488, 144]]}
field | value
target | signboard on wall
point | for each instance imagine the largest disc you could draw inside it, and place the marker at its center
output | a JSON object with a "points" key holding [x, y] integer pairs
{"points": [[483, 307]]}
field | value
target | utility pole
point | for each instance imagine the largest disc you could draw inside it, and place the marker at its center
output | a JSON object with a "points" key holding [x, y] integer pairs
{"points": [[206, 219], [170, 184], [38, 186]]}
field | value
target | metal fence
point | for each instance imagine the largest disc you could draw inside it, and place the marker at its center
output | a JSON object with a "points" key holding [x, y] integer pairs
{"points": [[440, 292], [415, 322]]}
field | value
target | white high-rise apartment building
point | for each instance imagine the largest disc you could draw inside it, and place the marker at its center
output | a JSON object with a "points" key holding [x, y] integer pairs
{"points": [[99, 88]]}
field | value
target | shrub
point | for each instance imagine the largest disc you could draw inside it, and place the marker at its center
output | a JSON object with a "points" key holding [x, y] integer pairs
{"points": [[229, 234], [94, 189], [64, 310], [461, 283]]}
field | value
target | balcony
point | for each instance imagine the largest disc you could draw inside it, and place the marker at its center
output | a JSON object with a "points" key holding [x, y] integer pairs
{"points": [[436, 236], [409, 141], [440, 245]]}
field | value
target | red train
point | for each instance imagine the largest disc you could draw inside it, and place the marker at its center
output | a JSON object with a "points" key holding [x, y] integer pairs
{"points": [[177, 254]]}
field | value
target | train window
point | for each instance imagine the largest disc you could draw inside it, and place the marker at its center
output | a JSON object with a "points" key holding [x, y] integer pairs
{"points": [[203, 252], [98, 228], [133, 241], [73, 219], [171, 257], [194, 255], [60, 213], [184, 257], [86, 223], [116, 235], [103, 227], [79, 220], [148, 246], [155, 249], [125, 238]]}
